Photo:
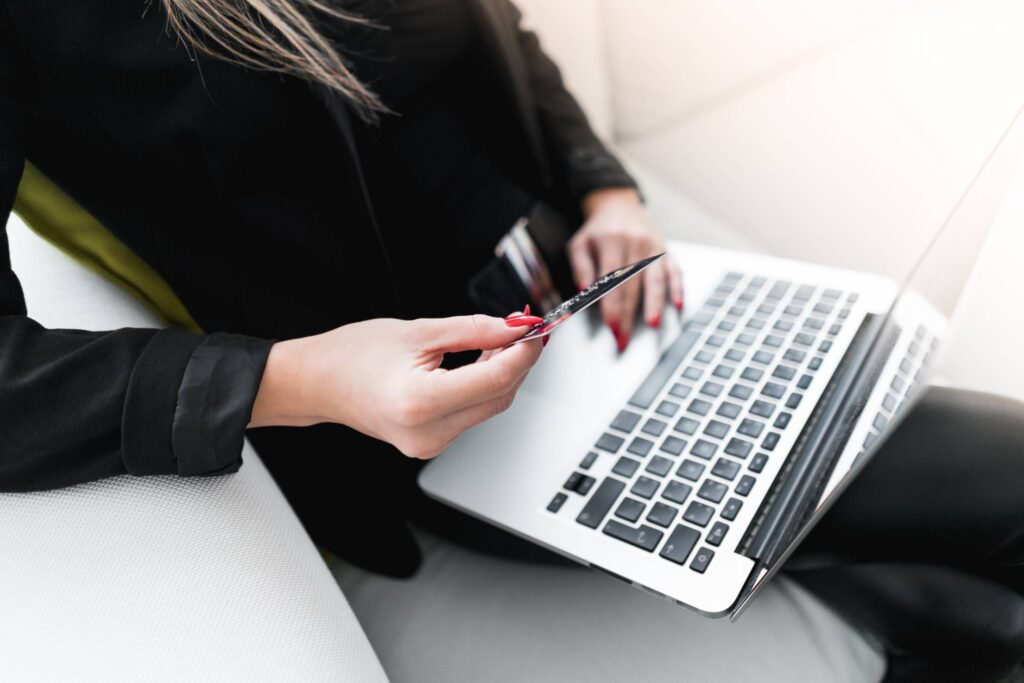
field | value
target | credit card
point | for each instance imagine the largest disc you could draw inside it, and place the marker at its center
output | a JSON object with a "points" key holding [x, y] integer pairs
{"points": [[592, 294]]}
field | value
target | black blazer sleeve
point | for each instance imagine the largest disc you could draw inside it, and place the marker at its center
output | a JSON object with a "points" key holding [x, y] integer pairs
{"points": [[77, 406], [579, 159]]}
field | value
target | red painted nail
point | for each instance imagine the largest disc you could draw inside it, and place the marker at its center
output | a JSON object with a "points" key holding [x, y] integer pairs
{"points": [[622, 341], [526, 311], [679, 305], [616, 330], [655, 321], [522, 320], [581, 286], [545, 342]]}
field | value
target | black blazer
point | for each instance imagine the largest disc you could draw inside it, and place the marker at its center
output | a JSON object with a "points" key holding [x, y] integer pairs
{"points": [[256, 222]]}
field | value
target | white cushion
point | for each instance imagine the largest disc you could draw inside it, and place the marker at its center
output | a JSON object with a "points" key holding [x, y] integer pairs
{"points": [[473, 617], [152, 579]]}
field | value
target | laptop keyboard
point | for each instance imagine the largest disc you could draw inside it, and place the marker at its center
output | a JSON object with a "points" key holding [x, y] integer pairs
{"points": [[689, 444]]}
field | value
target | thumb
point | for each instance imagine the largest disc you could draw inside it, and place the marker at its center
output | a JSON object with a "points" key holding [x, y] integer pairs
{"points": [[470, 332]]}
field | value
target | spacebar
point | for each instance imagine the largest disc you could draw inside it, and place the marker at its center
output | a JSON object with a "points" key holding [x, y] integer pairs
{"points": [[668, 362]]}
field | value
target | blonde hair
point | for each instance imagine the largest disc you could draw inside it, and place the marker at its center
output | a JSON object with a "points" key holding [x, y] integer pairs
{"points": [[274, 35]]}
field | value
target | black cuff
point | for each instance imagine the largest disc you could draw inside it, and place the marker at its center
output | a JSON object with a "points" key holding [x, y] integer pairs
{"points": [[595, 168], [214, 403], [150, 401]]}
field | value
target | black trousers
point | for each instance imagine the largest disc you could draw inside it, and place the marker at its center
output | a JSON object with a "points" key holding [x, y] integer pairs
{"points": [[924, 551]]}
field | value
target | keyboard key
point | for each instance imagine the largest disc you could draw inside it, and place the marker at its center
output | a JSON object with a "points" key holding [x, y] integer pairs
{"points": [[712, 389], [659, 466], [645, 537], [701, 560], [640, 446], [625, 467], [735, 355], [689, 373], [667, 364], [715, 341], [782, 420], [731, 509], [739, 447], [752, 374], [556, 503], [758, 462], [588, 460], [773, 390], [686, 425], [726, 469], [755, 323], [698, 513], [704, 356], [795, 356], [704, 449], [765, 309], [741, 391], [699, 406], [680, 544], [712, 490], [583, 488], [853, 298], [717, 533], [600, 503], [804, 339], [825, 346], [773, 340], [815, 363], [793, 402], [644, 487], [737, 311], [716, 429], [751, 428], [667, 408], [784, 372], [832, 294], [762, 408], [654, 427], [691, 470], [662, 514], [889, 402], [779, 289], [763, 357], [813, 324], [676, 491], [625, 421], [679, 390], [804, 293], [834, 330], [673, 445], [744, 485], [770, 441], [729, 410], [630, 509], [804, 381], [715, 302], [793, 310], [726, 326], [609, 442], [783, 325], [880, 422], [572, 482], [897, 384], [724, 371], [745, 339], [844, 314]]}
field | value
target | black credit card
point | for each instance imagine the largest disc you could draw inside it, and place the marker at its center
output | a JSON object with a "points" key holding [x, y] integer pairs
{"points": [[595, 292]]}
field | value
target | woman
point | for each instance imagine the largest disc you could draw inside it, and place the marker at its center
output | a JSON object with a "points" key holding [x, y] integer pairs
{"points": [[304, 174]]}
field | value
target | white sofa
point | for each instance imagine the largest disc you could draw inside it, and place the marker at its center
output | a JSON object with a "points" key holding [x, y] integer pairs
{"points": [[732, 115]]}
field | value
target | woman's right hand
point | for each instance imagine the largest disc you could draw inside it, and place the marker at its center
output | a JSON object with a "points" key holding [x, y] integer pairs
{"points": [[383, 378]]}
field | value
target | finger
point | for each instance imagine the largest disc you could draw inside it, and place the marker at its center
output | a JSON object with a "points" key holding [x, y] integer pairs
{"points": [[455, 424], [630, 295], [612, 255], [475, 383], [581, 260], [675, 285], [467, 333], [655, 285]]}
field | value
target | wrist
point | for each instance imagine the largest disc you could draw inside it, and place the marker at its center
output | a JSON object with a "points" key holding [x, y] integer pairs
{"points": [[596, 199], [285, 396]]}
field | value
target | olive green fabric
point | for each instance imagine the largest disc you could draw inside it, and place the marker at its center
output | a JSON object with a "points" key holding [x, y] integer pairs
{"points": [[57, 218]]}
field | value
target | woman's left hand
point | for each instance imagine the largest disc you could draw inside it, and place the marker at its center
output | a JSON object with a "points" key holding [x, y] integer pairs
{"points": [[617, 232]]}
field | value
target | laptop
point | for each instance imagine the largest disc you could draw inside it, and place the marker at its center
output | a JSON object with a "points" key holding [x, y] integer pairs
{"points": [[693, 464]]}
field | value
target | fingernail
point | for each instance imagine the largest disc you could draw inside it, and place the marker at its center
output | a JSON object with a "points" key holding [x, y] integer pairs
{"points": [[678, 304], [614, 327], [655, 321], [522, 320], [526, 311], [545, 342], [622, 340], [581, 286]]}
